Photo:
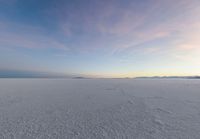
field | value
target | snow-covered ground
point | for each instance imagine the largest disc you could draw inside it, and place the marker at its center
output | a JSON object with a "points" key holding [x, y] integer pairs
{"points": [[99, 109]]}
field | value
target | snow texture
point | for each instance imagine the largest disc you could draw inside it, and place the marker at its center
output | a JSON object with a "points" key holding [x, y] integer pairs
{"points": [[99, 109]]}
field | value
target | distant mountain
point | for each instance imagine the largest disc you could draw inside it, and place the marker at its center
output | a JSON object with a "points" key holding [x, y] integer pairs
{"points": [[79, 77], [169, 77], [30, 74]]}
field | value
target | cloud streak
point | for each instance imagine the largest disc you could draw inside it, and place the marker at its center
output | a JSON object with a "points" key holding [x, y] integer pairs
{"points": [[27, 37]]}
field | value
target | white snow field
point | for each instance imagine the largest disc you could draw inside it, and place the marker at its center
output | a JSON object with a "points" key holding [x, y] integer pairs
{"points": [[99, 109]]}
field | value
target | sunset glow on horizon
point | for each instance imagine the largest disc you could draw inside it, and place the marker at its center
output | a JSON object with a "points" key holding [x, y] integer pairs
{"points": [[101, 38]]}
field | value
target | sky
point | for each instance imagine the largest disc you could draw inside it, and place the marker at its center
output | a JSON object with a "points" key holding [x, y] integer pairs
{"points": [[100, 38]]}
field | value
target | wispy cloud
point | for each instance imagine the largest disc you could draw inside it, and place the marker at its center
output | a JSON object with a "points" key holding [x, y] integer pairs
{"points": [[131, 25], [16, 35]]}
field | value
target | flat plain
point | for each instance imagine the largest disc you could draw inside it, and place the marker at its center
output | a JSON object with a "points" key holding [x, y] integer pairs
{"points": [[99, 109]]}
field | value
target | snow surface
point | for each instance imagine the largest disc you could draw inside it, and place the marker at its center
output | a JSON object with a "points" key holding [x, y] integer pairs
{"points": [[99, 109]]}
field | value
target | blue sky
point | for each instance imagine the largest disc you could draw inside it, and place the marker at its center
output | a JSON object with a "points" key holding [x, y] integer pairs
{"points": [[100, 38]]}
